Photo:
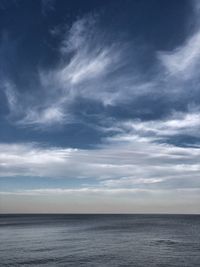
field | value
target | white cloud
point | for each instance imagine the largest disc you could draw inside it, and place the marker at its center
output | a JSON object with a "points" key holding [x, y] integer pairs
{"points": [[92, 71], [12, 97], [103, 192], [184, 60], [98, 69], [91, 67], [177, 124], [82, 68], [46, 117], [85, 190], [121, 162]]}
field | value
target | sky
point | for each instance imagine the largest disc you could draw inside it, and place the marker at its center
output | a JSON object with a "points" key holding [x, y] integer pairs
{"points": [[99, 106]]}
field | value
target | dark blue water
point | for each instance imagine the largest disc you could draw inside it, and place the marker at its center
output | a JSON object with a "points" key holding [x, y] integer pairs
{"points": [[100, 240]]}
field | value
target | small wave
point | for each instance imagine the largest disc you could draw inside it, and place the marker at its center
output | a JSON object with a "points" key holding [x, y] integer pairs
{"points": [[168, 242]]}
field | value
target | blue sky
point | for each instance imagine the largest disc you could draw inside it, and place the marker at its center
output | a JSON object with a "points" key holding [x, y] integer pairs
{"points": [[99, 106]]}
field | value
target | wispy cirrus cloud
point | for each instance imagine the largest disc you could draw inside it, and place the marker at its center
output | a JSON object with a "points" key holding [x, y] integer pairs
{"points": [[91, 67], [100, 70], [47, 6], [177, 124], [183, 61]]}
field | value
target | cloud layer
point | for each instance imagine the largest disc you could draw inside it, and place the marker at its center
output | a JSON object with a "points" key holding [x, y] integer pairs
{"points": [[144, 103]]}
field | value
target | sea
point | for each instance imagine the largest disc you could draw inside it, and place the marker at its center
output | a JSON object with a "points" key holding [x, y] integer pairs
{"points": [[74, 240]]}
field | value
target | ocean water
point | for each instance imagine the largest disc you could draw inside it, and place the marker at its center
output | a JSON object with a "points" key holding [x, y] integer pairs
{"points": [[100, 240]]}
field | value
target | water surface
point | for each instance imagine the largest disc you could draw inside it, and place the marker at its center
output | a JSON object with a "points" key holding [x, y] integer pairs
{"points": [[100, 240]]}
